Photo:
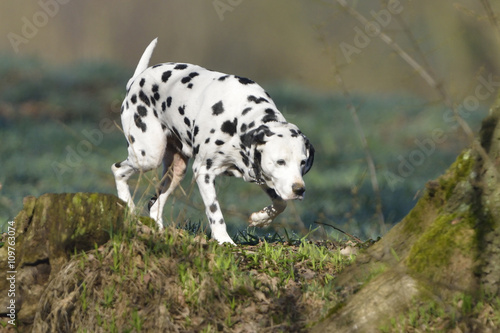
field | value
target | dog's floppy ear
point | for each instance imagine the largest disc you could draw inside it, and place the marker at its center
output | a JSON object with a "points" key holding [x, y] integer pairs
{"points": [[310, 156]]}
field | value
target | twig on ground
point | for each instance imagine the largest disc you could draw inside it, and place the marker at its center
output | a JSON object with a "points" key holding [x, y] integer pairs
{"points": [[356, 239]]}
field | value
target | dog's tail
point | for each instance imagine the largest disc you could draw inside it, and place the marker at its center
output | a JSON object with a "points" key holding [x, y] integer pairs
{"points": [[144, 62]]}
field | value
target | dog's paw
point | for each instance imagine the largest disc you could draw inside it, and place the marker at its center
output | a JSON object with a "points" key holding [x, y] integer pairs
{"points": [[224, 240], [259, 219], [220, 234]]}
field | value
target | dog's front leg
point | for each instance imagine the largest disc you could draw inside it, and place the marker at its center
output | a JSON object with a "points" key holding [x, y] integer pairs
{"points": [[265, 216], [206, 186]]}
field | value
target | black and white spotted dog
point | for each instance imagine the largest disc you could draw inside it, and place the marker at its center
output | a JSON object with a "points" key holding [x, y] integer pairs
{"points": [[227, 124]]}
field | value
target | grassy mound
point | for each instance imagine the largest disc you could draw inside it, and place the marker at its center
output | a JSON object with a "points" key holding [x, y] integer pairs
{"points": [[175, 282]]}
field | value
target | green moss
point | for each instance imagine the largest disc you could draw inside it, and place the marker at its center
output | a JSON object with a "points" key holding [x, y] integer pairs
{"points": [[461, 170], [448, 240]]}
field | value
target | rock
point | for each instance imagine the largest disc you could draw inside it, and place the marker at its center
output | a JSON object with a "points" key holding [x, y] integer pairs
{"points": [[48, 230]]}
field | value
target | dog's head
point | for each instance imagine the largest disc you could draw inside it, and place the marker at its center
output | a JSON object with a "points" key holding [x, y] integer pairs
{"points": [[283, 155]]}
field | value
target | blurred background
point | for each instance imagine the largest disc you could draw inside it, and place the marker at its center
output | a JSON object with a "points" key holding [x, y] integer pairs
{"points": [[365, 81]]}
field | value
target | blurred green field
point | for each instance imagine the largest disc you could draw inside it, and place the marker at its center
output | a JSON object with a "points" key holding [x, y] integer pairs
{"points": [[57, 134]]}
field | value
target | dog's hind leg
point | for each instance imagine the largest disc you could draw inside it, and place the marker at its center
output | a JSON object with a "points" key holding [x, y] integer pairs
{"points": [[143, 156], [122, 172], [174, 169], [265, 216]]}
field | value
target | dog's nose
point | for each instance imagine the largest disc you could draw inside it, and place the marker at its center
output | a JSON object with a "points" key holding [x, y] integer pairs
{"points": [[298, 188]]}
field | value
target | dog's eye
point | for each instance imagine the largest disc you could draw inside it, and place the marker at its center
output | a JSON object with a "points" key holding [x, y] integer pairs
{"points": [[303, 162], [281, 162]]}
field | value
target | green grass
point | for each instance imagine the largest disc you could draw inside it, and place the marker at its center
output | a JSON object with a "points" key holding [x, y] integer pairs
{"points": [[185, 282]]}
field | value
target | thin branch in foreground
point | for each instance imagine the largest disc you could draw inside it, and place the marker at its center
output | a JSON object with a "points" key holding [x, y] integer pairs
{"points": [[356, 239], [492, 17]]}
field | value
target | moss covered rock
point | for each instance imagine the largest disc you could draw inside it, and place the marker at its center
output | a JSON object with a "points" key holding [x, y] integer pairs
{"points": [[448, 245], [48, 230]]}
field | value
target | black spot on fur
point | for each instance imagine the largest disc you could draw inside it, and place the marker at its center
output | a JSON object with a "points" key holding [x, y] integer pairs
{"points": [[222, 78], [244, 158], [165, 76], [156, 96], [139, 123], [209, 163], [257, 156], [169, 101], [229, 127], [188, 78], [163, 127], [141, 83], [294, 133], [256, 100], [243, 128], [133, 99], [155, 113], [143, 153], [180, 66], [181, 110], [219, 142], [144, 98], [213, 207], [212, 131], [131, 139], [217, 108], [118, 165], [121, 109], [176, 132], [190, 86], [152, 202], [158, 65], [163, 106], [142, 111], [221, 221], [245, 111], [154, 88], [270, 116], [196, 150], [196, 130], [207, 179], [207, 140], [244, 80]]}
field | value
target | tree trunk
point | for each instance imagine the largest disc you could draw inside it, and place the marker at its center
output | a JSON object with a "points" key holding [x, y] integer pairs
{"points": [[449, 244]]}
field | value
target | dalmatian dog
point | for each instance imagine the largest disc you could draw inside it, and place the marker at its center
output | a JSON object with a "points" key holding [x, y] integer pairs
{"points": [[227, 124]]}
